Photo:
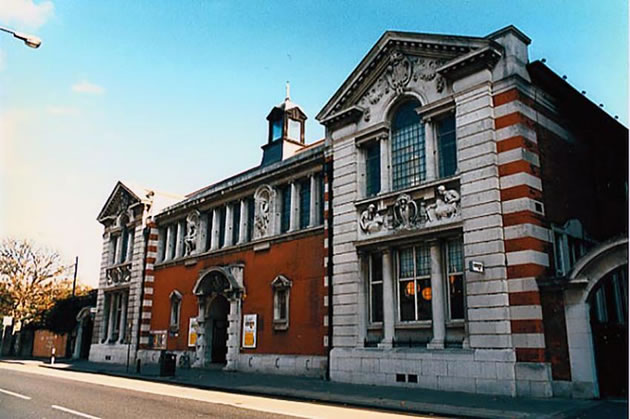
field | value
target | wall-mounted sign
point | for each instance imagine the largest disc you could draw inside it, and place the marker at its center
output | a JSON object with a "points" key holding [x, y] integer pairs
{"points": [[158, 339], [476, 267], [250, 324], [192, 331]]}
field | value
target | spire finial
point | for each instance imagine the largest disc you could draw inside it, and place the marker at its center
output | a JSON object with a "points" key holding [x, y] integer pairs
{"points": [[288, 90]]}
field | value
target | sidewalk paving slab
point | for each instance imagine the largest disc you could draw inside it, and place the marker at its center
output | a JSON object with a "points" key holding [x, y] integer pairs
{"points": [[400, 399]]}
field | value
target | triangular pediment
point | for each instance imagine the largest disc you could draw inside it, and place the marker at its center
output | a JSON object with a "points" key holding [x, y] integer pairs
{"points": [[395, 61], [119, 201]]}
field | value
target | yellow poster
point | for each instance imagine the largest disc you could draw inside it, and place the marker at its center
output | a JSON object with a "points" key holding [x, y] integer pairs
{"points": [[192, 331], [250, 322]]}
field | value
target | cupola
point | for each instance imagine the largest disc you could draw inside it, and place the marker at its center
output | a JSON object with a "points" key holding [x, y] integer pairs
{"points": [[286, 131]]}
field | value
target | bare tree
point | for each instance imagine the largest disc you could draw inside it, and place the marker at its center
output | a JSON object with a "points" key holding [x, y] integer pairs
{"points": [[31, 280]]}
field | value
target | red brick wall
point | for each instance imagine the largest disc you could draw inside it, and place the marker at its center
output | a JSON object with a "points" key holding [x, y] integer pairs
{"points": [[45, 340], [300, 260]]}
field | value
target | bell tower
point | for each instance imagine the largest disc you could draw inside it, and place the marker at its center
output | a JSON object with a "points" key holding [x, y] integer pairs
{"points": [[286, 130]]}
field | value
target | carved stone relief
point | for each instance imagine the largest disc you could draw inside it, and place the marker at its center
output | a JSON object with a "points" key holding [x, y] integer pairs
{"points": [[192, 230], [398, 72], [406, 214], [263, 213], [118, 275]]}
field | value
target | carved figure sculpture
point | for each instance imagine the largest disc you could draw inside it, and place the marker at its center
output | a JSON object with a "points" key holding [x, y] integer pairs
{"points": [[263, 199], [405, 211], [371, 221], [192, 227], [445, 205]]}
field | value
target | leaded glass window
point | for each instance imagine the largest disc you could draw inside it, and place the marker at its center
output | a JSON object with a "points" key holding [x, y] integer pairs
{"points": [[447, 146], [285, 211], [414, 283], [408, 148], [455, 275], [372, 169], [305, 203]]}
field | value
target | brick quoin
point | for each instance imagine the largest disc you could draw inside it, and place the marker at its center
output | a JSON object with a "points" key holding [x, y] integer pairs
{"points": [[523, 217], [530, 355], [521, 191], [153, 237], [150, 259], [519, 166], [146, 309], [149, 272], [526, 243], [152, 248], [513, 119], [527, 326], [513, 95], [516, 142], [526, 298], [525, 270]]}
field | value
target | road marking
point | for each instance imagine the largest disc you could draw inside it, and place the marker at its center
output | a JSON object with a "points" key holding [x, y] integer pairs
{"points": [[10, 393], [74, 412]]}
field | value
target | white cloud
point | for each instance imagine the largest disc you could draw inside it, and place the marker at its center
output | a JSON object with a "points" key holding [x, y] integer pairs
{"points": [[62, 110], [87, 87], [25, 12]]}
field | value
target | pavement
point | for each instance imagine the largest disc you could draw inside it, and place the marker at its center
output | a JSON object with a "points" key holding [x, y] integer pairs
{"points": [[398, 399]]}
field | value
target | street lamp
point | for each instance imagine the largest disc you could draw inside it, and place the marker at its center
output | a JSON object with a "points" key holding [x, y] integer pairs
{"points": [[29, 40]]}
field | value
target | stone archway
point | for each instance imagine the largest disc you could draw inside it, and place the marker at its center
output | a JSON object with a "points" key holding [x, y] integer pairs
{"points": [[83, 333], [219, 291], [584, 278]]}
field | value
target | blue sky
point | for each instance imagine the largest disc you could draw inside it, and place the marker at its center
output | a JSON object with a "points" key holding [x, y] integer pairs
{"points": [[174, 95]]}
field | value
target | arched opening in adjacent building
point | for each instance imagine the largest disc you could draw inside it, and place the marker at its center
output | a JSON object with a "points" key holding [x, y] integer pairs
{"points": [[609, 324]]}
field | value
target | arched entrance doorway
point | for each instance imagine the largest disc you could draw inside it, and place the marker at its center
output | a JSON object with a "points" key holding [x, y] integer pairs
{"points": [[596, 312], [609, 319], [216, 329], [219, 291]]}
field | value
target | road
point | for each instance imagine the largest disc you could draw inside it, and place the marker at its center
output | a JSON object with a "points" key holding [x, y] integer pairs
{"points": [[28, 391]]}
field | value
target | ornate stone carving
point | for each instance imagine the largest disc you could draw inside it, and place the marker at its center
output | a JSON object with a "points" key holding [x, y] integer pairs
{"points": [[264, 199], [425, 70], [192, 230], [398, 72], [405, 212], [445, 205], [118, 275], [371, 221]]}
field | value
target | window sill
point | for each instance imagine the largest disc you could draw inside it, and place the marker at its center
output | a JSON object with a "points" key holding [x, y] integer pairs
{"points": [[421, 324]]}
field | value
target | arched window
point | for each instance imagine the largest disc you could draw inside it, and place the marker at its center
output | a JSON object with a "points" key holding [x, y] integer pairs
{"points": [[408, 152]]}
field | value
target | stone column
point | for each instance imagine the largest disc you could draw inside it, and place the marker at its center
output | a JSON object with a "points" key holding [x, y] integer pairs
{"points": [[385, 175], [200, 346], [313, 216], [294, 221], [430, 151], [123, 318], [229, 222], [233, 340], [242, 232], [179, 241], [112, 317], [437, 298], [168, 242], [362, 298], [202, 233], [216, 220], [388, 301]]}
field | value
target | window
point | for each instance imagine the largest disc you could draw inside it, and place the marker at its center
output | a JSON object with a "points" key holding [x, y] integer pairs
{"points": [[414, 281], [570, 243], [408, 151], [222, 226], [208, 230], [125, 245], [285, 211], [276, 129], [372, 169], [176, 305], [376, 287], [236, 222], [320, 181], [251, 205], [281, 287], [455, 276], [114, 325], [305, 203], [446, 146], [113, 246], [295, 130]]}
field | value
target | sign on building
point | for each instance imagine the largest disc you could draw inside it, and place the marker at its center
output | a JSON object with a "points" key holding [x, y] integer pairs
{"points": [[158, 339], [250, 324], [192, 332]]}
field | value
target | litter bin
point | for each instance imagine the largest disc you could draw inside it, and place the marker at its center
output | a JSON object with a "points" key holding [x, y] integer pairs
{"points": [[167, 364]]}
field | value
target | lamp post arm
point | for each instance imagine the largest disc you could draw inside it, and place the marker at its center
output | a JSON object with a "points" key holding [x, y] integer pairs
{"points": [[29, 40]]}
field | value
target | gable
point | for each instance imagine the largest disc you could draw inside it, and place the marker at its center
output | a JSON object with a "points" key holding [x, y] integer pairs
{"points": [[118, 202], [399, 62]]}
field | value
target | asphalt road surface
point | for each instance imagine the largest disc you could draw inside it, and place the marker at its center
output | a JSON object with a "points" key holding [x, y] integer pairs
{"points": [[35, 392]]}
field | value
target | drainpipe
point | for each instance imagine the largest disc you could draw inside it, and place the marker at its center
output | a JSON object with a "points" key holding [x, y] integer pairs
{"points": [[328, 169]]}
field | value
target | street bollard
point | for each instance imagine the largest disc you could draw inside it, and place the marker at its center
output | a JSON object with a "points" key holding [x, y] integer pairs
{"points": [[52, 357], [138, 367]]}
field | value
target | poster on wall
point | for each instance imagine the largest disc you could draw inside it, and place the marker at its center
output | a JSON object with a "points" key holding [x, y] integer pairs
{"points": [[192, 331], [158, 339], [250, 324]]}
